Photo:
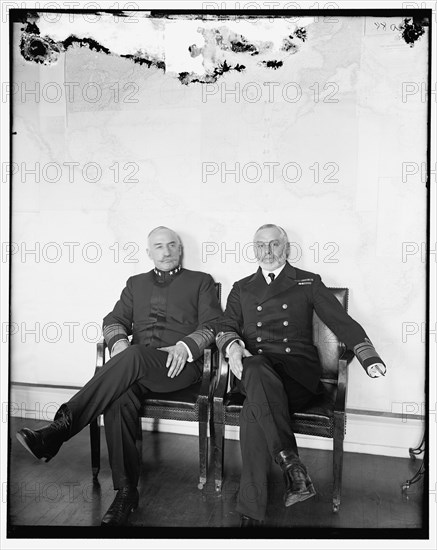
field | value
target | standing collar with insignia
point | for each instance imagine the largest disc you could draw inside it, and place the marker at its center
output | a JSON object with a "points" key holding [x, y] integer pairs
{"points": [[166, 276]]}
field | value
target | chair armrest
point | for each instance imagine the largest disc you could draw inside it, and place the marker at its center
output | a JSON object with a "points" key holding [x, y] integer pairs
{"points": [[215, 368], [101, 349], [220, 389], [100, 359], [347, 355], [206, 376], [223, 372], [343, 363], [205, 388]]}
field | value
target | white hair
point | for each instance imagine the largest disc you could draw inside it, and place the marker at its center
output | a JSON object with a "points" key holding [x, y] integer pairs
{"points": [[163, 228], [273, 226]]}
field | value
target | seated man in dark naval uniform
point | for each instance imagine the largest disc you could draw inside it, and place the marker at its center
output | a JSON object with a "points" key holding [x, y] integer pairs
{"points": [[169, 312], [267, 336]]}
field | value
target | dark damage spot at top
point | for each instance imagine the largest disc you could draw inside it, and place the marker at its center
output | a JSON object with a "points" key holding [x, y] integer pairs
{"points": [[90, 42], [22, 16], [301, 33], [411, 31], [35, 48], [187, 78], [243, 46], [32, 28], [144, 61], [42, 49], [225, 68], [288, 44], [273, 64]]}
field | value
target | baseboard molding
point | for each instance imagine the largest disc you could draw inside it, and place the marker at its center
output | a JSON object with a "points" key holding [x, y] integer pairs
{"points": [[378, 435]]}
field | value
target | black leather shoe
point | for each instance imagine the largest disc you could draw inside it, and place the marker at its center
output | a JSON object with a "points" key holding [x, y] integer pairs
{"points": [[246, 521], [298, 484], [46, 441], [125, 502]]}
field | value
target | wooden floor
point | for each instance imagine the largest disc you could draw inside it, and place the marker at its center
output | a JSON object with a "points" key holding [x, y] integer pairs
{"points": [[60, 494]]}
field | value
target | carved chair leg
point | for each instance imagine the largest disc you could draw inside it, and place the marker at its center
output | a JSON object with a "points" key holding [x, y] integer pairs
{"points": [[203, 453], [219, 441], [95, 448], [338, 462]]}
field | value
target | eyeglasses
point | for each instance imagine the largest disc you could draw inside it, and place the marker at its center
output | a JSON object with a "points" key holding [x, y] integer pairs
{"points": [[259, 245]]}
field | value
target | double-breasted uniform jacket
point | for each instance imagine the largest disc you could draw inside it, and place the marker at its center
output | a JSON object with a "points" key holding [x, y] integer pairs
{"points": [[277, 318], [161, 308]]}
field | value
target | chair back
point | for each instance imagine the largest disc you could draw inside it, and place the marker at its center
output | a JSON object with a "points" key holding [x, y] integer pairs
{"points": [[328, 345], [218, 289]]}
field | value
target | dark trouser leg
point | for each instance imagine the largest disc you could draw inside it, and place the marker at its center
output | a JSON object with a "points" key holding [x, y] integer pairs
{"points": [[264, 431], [121, 425], [116, 390], [252, 496], [138, 363], [267, 402], [265, 427]]}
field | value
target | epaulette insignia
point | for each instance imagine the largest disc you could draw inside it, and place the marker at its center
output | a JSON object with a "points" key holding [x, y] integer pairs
{"points": [[305, 281]]}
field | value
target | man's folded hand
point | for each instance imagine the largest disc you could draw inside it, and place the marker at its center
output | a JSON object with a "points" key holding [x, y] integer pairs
{"points": [[236, 354], [177, 357]]}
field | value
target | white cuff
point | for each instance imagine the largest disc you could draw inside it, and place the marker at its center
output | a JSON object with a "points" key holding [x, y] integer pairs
{"points": [[121, 340], [233, 342], [190, 355], [379, 366]]}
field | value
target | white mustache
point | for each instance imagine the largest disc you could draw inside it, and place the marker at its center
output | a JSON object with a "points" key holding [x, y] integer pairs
{"points": [[272, 256]]}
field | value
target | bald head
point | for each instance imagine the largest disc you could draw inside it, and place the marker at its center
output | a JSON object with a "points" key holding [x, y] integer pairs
{"points": [[164, 248], [160, 229]]}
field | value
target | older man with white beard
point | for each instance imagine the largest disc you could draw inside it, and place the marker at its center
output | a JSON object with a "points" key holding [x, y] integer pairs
{"points": [[267, 336]]}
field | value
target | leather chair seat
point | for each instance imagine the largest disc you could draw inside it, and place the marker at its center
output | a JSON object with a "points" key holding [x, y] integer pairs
{"points": [[317, 419], [185, 399]]}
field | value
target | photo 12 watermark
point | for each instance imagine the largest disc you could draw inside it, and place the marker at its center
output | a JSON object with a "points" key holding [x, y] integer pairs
{"points": [[70, 172], [320, 252], [271, 92], [53, 252], [70, 92], [270, 172], [51, 332]]}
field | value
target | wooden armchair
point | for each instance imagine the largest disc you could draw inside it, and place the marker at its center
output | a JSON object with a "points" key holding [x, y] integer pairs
{"points": [[325, 418], [190, 404]]}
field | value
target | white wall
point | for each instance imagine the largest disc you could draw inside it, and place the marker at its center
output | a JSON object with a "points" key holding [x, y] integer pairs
{"points": [[358, 224]]}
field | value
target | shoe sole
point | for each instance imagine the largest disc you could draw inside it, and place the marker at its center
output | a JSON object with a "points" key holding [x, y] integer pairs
{"points": [[300, 497], [108, 524], [124, 524], [22, 439]]}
